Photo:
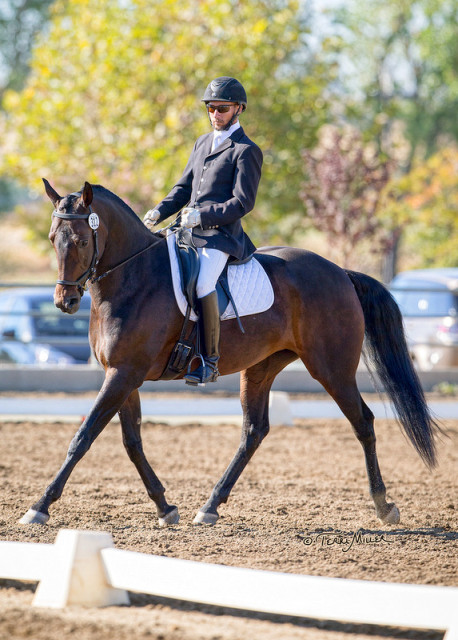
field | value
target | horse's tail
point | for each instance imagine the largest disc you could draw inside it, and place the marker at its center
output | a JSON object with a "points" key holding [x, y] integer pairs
{"points": [[386, 349]]}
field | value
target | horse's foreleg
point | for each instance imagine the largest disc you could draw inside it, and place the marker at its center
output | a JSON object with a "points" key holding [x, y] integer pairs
{"points": [[255, 384], [111, 396], [130, 416]]}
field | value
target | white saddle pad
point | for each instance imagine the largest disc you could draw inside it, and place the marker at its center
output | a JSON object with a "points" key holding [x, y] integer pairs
{"points": [[249, 285]]}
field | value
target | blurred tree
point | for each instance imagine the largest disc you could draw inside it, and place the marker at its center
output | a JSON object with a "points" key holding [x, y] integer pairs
{"points": [[399, 62], [425, 202], [113, 96], [346, 179], [20, 21]]}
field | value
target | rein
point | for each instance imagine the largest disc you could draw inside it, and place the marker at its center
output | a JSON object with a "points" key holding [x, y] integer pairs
{"points": [[171, 228], [88, 275]]}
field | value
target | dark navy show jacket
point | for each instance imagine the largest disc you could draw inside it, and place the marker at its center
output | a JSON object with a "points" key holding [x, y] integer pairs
{"points": [[223, 186]]}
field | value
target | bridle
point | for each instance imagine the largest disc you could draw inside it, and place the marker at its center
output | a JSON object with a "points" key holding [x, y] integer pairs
{"points": [[88, 275], [93, 221]]}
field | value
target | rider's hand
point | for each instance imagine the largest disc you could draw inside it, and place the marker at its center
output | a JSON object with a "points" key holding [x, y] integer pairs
{"points": [[151, 218], [190, 217]]}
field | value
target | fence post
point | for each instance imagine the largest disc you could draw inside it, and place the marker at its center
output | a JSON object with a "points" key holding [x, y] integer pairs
{"points": [[280, 409], [76, 574]]}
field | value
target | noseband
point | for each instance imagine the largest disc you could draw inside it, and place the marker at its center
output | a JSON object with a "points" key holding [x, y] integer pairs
{"points": [[93, 221]]}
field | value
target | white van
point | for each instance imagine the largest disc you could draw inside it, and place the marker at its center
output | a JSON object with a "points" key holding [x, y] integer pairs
{"points": [[428, 299]]}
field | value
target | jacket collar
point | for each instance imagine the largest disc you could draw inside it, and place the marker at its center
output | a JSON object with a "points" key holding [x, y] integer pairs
{"points": [[235, 137]]}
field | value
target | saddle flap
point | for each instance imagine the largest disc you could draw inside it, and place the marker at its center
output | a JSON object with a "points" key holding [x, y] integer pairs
{"points": [[188, 264]]}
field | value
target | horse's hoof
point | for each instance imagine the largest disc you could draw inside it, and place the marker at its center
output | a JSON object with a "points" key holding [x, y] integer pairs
{"points": [[206, 518], [34, 517], [392, 516], [172, 517]]}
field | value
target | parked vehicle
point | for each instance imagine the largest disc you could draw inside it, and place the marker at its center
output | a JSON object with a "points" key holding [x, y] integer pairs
{"points": [[33, 330], [14, 352], [428, 299]]}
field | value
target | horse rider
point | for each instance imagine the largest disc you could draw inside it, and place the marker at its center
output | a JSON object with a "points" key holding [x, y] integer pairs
{"points": [[218, 187]]}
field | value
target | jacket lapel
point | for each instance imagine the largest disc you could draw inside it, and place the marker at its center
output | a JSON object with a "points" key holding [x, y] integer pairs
{"points": [[235, 137], [208, 144]]}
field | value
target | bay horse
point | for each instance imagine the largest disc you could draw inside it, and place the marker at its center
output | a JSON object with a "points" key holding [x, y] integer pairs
{"points": [[321, 315]]}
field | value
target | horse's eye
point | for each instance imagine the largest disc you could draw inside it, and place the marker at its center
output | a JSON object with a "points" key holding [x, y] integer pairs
{"points": [[83, 243]]}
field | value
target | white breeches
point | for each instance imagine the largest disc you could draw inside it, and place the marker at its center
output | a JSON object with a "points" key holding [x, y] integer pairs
{"points": [[212, 262]]}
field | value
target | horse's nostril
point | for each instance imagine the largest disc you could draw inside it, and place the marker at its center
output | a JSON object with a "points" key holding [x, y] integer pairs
{"points": [[72, 303]]}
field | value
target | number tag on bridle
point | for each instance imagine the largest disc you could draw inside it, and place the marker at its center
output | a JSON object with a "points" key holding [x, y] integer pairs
{"points": [[93, 221]]}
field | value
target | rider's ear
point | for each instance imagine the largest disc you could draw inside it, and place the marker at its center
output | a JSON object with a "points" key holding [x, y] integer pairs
{"points": [[52, 195], [87, 195]]}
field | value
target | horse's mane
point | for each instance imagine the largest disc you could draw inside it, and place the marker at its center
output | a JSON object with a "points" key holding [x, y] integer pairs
{"points": [[109, 195]]}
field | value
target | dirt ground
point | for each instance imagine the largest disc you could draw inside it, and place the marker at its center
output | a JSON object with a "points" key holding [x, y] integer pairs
{"points": [[296, 508]]}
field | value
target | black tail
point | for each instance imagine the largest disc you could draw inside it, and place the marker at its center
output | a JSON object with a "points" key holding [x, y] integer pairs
{"points": [[386, 349]]}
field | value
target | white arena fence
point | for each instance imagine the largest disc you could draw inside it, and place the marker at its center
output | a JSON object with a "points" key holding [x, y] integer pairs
{"points": [[84, 568]]}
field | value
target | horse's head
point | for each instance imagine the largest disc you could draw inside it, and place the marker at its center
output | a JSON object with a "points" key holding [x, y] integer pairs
{"points": [[74, 237]]}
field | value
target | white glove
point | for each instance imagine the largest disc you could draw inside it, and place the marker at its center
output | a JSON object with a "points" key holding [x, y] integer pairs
{"points": [[190, 217], [151, 218]]}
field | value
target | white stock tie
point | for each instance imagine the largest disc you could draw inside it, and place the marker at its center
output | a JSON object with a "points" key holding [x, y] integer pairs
{"points": [[216, 140]]}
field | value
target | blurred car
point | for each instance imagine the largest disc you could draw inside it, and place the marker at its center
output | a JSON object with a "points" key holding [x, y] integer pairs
{"points": [[12, 352], [34, 331], [428, 299]]}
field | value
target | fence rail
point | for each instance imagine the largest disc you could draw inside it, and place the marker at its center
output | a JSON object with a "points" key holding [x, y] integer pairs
{"points": [[84, 568]]}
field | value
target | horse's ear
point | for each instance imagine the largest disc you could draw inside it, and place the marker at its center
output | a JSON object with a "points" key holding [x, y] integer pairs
{"points": [[87, 195], [52, 195]]}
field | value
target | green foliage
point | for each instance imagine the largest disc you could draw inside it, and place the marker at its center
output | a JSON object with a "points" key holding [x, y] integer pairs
{"points": [[398, 84], [399, 58], [114, 95], [425, 201], [20, 21]]}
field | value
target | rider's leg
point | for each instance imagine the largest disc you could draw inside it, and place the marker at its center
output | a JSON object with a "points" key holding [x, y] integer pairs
{"points": [[212, 262]]}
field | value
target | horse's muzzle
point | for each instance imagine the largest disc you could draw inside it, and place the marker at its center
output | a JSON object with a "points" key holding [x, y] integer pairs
{"points": [[67, 299]]}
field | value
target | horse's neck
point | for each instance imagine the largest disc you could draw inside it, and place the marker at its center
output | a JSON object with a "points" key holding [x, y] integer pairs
{"points": [[126, 235]]}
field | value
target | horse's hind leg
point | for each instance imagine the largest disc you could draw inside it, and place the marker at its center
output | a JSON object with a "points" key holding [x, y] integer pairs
{"points": [[130, 416], [255, 384], [362, 420]]}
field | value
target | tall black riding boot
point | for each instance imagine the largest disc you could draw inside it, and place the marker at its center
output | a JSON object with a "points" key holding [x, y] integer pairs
{"points": [[207, 371]]}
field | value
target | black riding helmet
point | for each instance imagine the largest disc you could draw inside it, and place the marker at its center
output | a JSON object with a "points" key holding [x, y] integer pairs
{"points": [[225, 89]]}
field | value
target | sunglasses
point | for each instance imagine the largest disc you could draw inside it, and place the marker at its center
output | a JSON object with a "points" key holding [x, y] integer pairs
{"points": [[221, 108]]}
